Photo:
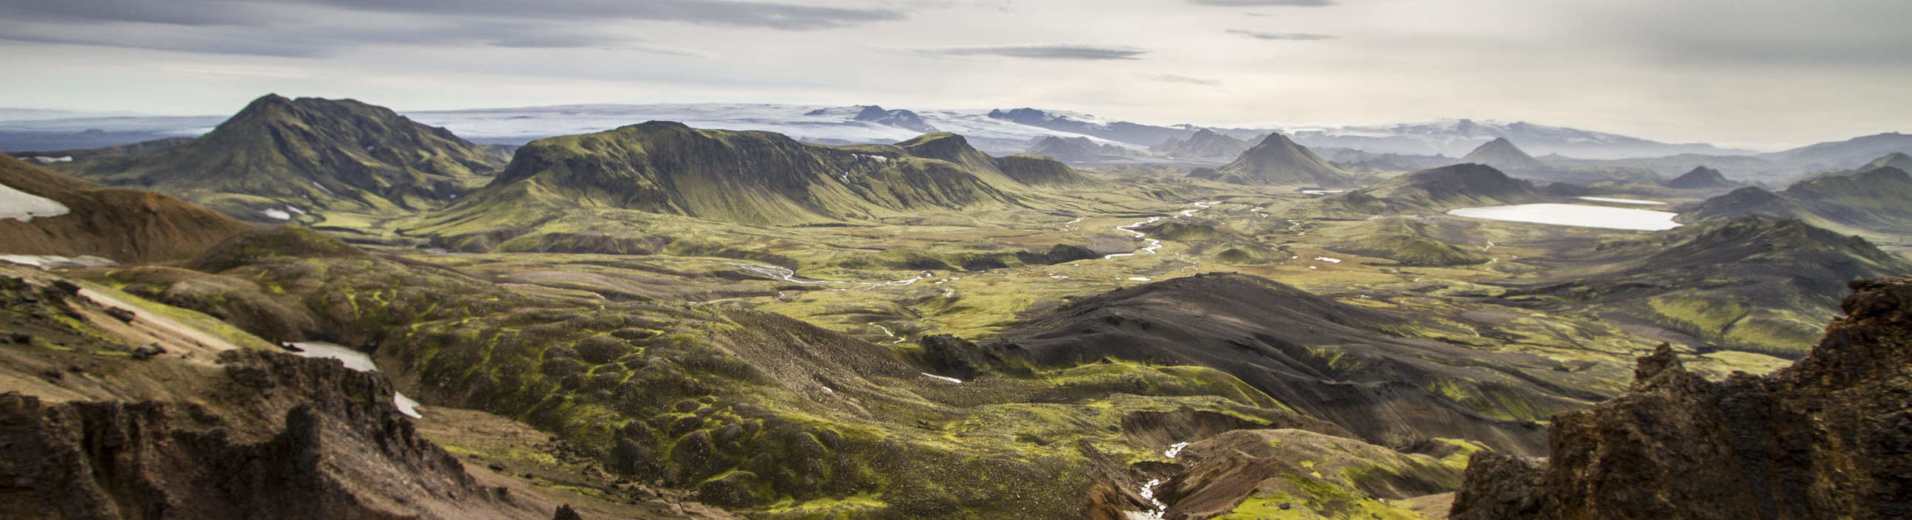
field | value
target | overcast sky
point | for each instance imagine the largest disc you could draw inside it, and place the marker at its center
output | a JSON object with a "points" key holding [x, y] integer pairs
{"points": [[1723, 71]]}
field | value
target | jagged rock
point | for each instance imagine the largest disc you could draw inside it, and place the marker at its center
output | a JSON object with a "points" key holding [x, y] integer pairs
{"points": [[338, 449], [148, 352], [123, 315], [566, 513], [1829, 437]]}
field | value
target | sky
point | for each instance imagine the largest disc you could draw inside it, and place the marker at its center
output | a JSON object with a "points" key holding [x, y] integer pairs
{"points": [[1731, 72]]}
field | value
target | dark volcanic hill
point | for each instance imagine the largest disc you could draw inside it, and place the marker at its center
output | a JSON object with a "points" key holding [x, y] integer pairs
{"points": [[1075, 149], [1205, 145], [1501, 153], [1753, 283], [1278, 161], [1828, 437], [130, 226], [1701, 178], [1876, 201], [1324, 358], [1433, 191], [306, 154], [898, 118], [746, 177]]}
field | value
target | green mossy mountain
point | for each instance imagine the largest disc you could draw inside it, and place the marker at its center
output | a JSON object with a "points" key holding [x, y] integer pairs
{"points": [[758, 178], [1431, 191], [1279, 161], [1875, 200], [306, 154], [1410, 242]]}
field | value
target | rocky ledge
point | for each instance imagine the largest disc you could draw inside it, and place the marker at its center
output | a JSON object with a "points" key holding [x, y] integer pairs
{"points": [[1829, 437]]}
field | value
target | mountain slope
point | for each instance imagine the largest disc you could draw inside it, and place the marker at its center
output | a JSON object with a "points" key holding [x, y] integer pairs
{"points": [[1701, 178], [1753, 283], [1841, 155], [1430, 191], [1278, 161], [281, 156], [1410, 242], [1876, 201], [1321, 357], [129, 226], [1897, 160], [1825, 438]]}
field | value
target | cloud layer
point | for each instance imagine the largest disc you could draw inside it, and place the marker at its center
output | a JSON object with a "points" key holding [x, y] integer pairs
{"points": [[1043, 52], [1693, 70]]}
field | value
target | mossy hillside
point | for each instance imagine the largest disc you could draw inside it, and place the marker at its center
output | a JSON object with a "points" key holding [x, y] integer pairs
{"points": [[751, 177], [1425, 192], [1776, 277], [750, 410], [308, 153], [1034, 170], [1410, 242]]}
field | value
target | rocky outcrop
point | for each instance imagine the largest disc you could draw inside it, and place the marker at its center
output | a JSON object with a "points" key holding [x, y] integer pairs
{"points": [[1829, 437], [307, 439]]}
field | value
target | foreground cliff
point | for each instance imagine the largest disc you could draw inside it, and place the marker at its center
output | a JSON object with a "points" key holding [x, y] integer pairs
{"points": [[1829, 437]]}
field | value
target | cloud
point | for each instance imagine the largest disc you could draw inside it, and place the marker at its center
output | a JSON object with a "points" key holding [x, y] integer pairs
{"points": [[310, 41], [1043, 52], [1281, 36], [1177, 78], [257, 12], [1264, 3], [706, 12]]}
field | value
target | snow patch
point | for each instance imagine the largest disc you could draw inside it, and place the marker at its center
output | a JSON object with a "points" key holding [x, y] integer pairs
{"points": [[25, 207], [943, 379], [45, 262]]}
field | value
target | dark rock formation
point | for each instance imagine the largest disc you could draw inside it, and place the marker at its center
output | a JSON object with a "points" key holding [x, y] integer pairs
{"points": [[1701, 178], [314, 440], [1829, 437]]}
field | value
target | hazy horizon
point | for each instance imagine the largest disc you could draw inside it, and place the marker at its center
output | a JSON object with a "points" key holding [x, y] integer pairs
{"points": [[1758, 74]]}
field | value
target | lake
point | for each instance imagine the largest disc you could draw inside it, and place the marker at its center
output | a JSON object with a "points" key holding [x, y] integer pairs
{"points": [[1603, 217]]}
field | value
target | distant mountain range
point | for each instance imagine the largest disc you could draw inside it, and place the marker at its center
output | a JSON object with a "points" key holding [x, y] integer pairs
{"points": [[1454, 137], [1010, 131]]}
